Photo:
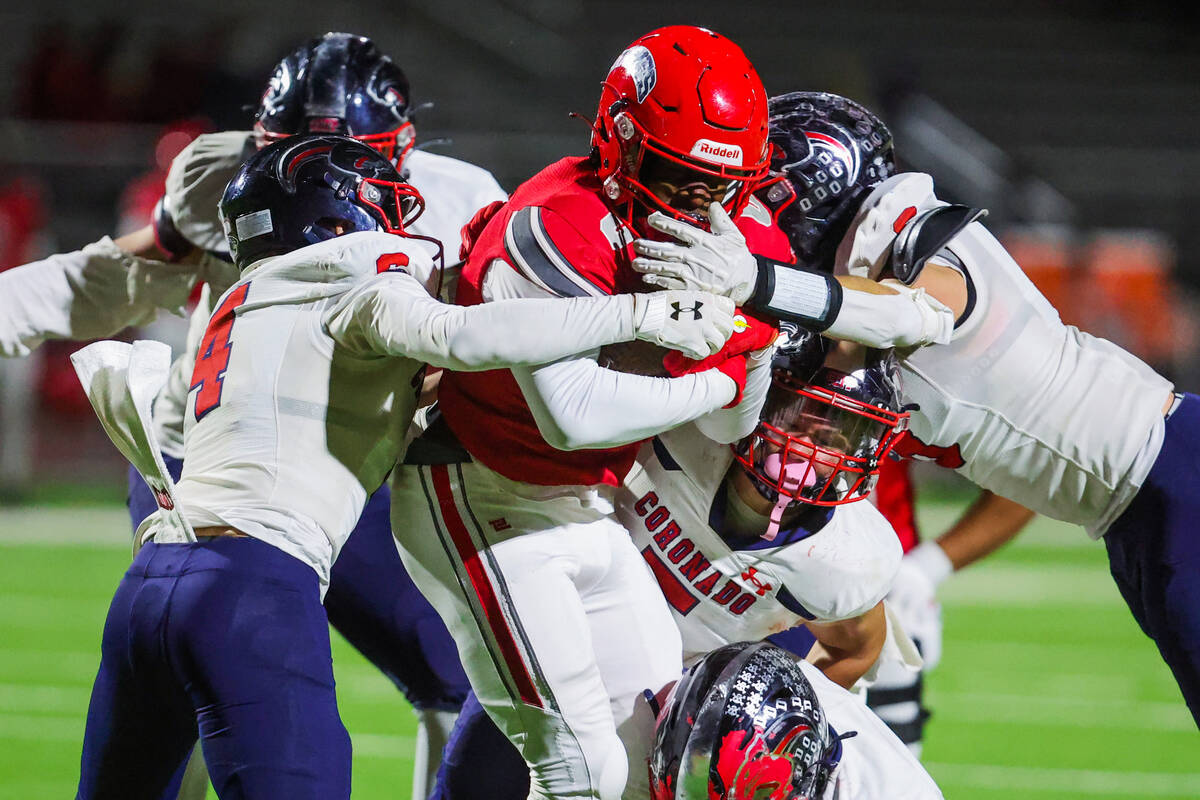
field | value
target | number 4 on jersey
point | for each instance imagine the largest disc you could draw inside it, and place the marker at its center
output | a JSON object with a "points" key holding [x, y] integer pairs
{"points": [[213, 357]]}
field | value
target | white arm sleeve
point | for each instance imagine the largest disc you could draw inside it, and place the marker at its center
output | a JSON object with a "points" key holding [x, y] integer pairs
{"points": [[578, 404], [393, 315], [728, 425], [85, 294], [909, 318]]}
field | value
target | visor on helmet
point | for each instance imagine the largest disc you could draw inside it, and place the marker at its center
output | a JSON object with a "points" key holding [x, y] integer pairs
{"points": [[679, 185], [816, 445]]}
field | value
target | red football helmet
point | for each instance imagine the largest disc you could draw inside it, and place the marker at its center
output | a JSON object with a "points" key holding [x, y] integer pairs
{"points": [[682, 122]]}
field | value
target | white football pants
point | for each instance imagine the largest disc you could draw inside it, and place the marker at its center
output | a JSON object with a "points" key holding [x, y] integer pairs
{"points": [[558, 621]]}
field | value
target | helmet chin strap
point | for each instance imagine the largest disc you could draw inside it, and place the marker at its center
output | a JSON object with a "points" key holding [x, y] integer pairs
{"points": [[796, 475]]}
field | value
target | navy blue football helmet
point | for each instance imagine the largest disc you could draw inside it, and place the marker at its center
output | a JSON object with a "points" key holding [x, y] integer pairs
{"points": [[744, 722], [306, 189], [339, 83], [826, 424], [830, 152]]}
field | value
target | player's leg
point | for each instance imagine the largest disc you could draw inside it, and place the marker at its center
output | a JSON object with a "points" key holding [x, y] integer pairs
{"points": [[373, 603], [140, 724], [1154, 551], [637, 648], [479, 763], [505, 581], [250, 636], [190, 781]]}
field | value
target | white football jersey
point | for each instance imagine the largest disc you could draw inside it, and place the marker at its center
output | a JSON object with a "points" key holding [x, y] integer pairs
{"points": [[722, 589], [1037, 411], [875, 764], [288, 431], [453, 190], [309, 371]]}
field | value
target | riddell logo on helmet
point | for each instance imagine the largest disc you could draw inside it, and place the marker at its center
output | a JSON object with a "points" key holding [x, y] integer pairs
{"points": [[719, 153]]}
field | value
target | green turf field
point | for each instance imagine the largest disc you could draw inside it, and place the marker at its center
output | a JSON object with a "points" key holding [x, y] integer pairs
{"points": [[1047, 688]]}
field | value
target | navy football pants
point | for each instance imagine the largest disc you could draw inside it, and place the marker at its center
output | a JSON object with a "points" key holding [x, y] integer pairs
{"points": [[374, 604], [1154, 551], [226, 638]]}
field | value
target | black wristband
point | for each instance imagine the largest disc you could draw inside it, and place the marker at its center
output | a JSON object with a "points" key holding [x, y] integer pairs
{"points": [[806, 297], [166, 236]]}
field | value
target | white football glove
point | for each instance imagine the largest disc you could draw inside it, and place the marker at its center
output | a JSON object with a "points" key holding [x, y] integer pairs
{"points": [[696, 324], [865, 248], [914, 597], [910, 318], [717, 262]]}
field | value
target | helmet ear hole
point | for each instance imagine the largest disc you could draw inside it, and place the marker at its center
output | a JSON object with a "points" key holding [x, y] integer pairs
{"points": [[335, 225]]}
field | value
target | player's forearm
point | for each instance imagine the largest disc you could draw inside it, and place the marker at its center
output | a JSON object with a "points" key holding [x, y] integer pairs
{"points": [[852, 308], [991, 522], [728, 425], [395, 317], [578, 404], [85, 294], [846, 650]]}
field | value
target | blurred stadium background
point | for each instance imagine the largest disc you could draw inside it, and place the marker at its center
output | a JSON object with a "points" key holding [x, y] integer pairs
{"points": [[1076, 123]]}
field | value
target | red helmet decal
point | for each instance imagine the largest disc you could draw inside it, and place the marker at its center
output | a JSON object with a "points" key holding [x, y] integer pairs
{"points": [[638, 64]]}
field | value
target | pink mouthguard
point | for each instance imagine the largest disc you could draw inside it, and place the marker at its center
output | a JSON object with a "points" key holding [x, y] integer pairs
{"points": [[796, 475]]}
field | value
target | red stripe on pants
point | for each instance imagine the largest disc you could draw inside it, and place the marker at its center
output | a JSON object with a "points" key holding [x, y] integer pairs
{"points": [[482, 585]]}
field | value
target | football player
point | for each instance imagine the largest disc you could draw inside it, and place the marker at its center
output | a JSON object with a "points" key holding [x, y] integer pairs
{"points": [[560, 625], [834, 152], [305, 384], [750, 720], [748, 542], [1024, 405], [338, 83]]}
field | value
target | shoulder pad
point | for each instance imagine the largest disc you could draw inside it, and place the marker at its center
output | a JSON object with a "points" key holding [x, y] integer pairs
{"points": [[926, 234], [549, 249], [849, 564], [196, 181], [882, 215]]}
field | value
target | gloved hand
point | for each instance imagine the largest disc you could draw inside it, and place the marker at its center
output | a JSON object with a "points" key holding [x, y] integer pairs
{"points": [[914, 597], [717, 262], [696, 324]]}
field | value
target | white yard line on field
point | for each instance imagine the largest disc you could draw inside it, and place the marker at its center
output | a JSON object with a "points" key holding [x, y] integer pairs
{"points": [[98, 526], [1076, 781], [1030, 586], [1071, 712]]}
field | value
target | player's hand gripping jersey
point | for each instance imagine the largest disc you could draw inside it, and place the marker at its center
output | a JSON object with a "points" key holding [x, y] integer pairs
{"points": [[723, 588], [453, 190], [1054, 418], [557, 237]]}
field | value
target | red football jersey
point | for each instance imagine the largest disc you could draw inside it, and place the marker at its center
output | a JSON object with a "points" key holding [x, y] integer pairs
{"points": [[894, 497], [557, 232]]}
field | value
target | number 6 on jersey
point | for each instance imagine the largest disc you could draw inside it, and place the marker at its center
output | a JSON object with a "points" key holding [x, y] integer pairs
{"points": [[212, 359]]}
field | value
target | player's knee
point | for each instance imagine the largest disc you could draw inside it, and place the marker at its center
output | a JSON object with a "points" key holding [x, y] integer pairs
{"points": [[592, 767], [613, 771]]}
